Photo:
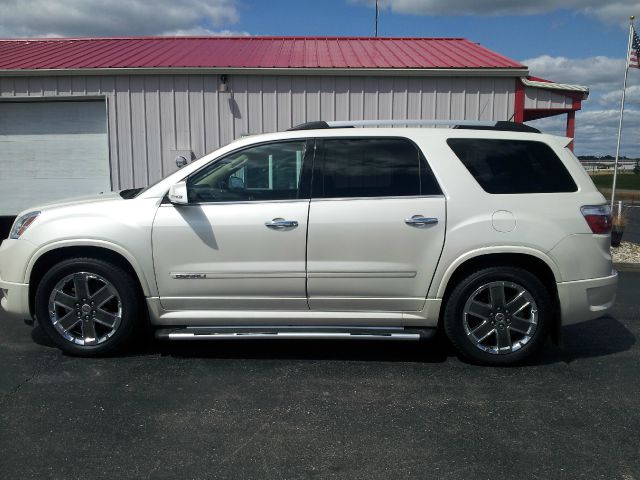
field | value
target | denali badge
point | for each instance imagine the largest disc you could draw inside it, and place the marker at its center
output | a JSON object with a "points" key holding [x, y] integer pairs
{"points": [[189, 276]]}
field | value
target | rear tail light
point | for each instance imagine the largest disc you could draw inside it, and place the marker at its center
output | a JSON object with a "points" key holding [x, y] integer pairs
{"points": [[598, 217]]}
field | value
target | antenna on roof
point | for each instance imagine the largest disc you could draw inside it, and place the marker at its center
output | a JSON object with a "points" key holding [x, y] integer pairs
{"points": [[376, 18]]}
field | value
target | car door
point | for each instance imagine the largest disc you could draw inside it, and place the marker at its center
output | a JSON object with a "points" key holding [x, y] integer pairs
{"points": [[240, 242], [376, 226]]}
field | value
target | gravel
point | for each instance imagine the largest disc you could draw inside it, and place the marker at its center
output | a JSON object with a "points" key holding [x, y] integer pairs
{"points": [[627, 252]]}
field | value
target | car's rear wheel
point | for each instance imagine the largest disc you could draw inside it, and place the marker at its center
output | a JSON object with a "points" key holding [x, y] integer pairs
{"points": [[87, 307], [498, 315]]}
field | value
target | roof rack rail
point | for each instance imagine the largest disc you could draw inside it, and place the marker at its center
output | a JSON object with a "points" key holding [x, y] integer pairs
{"points": [[469, 124], [417, 123]]}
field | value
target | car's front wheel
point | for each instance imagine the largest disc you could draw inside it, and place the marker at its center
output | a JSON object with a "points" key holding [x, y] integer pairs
{"points": [[87, 307], [498, 315]]}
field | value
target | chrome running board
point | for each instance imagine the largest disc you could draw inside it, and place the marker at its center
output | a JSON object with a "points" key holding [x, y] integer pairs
{"points": [[301, 333]]}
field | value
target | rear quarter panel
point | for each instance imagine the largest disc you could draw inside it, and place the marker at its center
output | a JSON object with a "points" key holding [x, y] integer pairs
{"points": [[539, 222]]}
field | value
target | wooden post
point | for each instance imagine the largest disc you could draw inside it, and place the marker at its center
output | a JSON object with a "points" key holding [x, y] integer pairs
{"points": [[571, 127]]}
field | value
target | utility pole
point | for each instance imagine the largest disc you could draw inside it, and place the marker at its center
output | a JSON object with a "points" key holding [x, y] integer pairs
{"points": [[376, 18]]}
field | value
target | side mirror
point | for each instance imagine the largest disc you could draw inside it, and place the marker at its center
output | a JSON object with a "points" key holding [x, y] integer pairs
{"points": [[178, 193]]}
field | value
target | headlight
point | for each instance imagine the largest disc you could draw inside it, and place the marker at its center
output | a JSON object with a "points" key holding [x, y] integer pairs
{"points": [[21, 224]]}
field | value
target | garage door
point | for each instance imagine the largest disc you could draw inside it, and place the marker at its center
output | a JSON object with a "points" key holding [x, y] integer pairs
{"points": [[50, 151]]}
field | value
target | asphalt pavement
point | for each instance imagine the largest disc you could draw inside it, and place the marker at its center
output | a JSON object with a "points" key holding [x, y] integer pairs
{"points": [[296, 409]]}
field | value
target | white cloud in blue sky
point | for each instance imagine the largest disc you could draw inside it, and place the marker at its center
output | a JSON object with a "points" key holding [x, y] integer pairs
{"points": [[611, 11], [39, 18]]}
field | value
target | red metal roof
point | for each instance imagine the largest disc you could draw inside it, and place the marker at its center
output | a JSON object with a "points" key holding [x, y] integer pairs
{"points": [[248, 52]]}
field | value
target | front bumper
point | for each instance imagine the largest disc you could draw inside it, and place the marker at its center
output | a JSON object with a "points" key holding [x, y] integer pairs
{"points": [[584, 300], [14, 299], [14, 294]]}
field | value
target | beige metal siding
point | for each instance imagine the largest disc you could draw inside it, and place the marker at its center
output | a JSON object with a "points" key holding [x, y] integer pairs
{"points": [[540, 98], [149, 116]]}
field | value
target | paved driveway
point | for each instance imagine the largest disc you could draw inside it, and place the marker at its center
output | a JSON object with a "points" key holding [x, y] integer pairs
{"points": [[324, 410]]}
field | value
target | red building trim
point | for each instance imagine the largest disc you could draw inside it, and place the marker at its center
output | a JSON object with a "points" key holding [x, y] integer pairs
{"points": [[571, 126], [518, 115]]}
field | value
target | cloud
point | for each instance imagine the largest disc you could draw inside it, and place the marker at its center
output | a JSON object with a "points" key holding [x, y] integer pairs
{"points": [[613, 11], [597, 123], [202, 31], [595, 72], [613, 97], [42, 18], [597, 131]]}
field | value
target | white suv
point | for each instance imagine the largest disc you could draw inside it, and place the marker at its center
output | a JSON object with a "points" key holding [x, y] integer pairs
{"points": [[496, 236]]}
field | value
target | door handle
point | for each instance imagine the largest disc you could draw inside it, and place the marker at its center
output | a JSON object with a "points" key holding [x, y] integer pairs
{"points": [[281, 224], [419, 220]]}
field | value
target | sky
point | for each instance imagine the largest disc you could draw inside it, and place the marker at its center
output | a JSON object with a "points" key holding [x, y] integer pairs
{"points": [[570, 41]]}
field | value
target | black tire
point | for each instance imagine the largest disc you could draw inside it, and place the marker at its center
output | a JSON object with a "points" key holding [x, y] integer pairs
{"points": [[457, 324], [127, 290]]}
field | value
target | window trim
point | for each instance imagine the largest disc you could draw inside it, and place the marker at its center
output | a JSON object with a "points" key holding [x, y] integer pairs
{"points": [[391, 197], [318, 169], [304, 185]]}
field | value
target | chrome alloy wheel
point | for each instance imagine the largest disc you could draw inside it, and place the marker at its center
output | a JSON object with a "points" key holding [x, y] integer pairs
{"points": [[500, 317], [85, 308]]}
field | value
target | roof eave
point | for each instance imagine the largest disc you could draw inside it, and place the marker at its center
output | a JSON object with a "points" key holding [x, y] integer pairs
{"points": [[560, 87], [410, 72]]}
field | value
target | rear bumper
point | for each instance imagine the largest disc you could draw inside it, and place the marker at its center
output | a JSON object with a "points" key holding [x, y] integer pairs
{"points": [[584, 300], [14, 299]]}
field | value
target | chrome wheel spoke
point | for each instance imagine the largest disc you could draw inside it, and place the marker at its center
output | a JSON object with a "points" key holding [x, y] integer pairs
{"points": [[519, 303], [482, 331], [102, 296], [105, 318], [89, 330], [480, 310], [497, 295], [64, 300], [504, 339], [69, 321], [520, 325], [81, 283]]}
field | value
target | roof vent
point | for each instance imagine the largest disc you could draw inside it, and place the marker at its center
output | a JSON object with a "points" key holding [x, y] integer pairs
{"points": [[502, 126], [310, 126]]}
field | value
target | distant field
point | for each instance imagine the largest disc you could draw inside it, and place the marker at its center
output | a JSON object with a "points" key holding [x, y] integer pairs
{"points": [[627, 181]]}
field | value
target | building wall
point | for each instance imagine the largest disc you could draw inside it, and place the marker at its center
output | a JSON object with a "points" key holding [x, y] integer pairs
{"points": [[540, 98], [150, 116]]}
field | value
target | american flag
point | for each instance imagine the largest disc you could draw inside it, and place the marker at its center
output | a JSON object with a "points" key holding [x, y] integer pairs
{"points": [[634, 55]]}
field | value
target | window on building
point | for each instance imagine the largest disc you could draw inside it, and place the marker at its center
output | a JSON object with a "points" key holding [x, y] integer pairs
{"points": [[265, 172], [513, 166], [373, 167]]}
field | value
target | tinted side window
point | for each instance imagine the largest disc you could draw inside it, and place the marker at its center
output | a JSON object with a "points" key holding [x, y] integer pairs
{"points": [[264, 172], [513, 166], [373, 167]]}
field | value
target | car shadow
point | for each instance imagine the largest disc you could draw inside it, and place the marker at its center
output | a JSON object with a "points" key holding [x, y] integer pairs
{"points": [[281, 349], [595, 338]]}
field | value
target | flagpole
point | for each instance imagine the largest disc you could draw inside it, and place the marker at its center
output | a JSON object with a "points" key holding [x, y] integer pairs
{"points": [[624, 91]]}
